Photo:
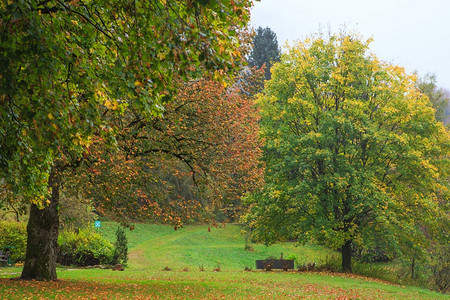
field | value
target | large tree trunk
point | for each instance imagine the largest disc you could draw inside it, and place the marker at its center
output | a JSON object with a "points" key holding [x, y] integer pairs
{"points": [[42, 229], [347, 256]]}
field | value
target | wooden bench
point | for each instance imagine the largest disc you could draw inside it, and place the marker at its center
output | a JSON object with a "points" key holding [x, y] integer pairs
{"points": [[4, 257], [270, 264]]}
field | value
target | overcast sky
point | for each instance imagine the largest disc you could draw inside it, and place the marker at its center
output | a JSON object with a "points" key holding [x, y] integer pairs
{"points": [[410, 33]]}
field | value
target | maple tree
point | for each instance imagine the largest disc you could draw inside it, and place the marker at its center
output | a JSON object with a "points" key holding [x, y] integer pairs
{"points": [[353, 152], [201, 153], [69, 66]]}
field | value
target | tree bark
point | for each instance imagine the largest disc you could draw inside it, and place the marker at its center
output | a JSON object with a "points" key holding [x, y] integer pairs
{"points": [[413, 263], [347, 256], [42, 230]]}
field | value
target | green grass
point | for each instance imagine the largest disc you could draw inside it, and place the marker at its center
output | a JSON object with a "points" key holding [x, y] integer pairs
{"points": [[155, 284], [195, 246], [155, 247], [140, 233]]}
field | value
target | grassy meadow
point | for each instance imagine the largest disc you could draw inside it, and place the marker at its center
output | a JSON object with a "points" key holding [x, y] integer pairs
{"points": [[157, 247], [153, 248]]}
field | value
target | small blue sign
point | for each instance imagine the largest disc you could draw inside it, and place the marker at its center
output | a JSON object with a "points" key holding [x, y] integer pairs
{"points": [[97, 224]]}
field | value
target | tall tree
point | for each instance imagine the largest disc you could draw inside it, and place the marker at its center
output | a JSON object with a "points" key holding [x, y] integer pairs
{"points": [[169, 169], [352, 151], [439, 97], [265, 50], [69, 66]]}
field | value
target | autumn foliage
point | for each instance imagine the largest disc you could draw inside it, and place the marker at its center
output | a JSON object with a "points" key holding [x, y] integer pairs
{"points": [[202, 152]]}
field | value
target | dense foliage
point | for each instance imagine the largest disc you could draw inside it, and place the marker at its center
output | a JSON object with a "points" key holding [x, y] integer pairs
{"points": [[67, 65], [202, 153], [83, 248], [70, 70], [354, 154], [440, 268], [13, 237]]}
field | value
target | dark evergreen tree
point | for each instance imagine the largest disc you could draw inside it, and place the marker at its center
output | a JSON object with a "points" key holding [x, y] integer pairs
{"points": [[120, 247], [265, 50]]}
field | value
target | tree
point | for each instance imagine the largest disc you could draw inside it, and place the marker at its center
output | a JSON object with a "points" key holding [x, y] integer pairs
{"points": [[202, 152], [352, 151], [120, 255], [68, 67], [439, 97], [265, 50]]}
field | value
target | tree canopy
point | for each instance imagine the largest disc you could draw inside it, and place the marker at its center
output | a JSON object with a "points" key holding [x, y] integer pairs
{"points": [[67, 65], [70, 69], [201, 153], [353, 152]]}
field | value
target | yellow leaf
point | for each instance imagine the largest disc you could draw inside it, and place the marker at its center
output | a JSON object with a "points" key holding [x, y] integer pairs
{"points": [[50, 116], [161, 55]]}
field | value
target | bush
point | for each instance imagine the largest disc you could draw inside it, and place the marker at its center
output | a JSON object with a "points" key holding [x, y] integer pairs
{"points": [[293, 257], [329, 263], [376, 270], [14, 235], [85, 248], [120, 247]]}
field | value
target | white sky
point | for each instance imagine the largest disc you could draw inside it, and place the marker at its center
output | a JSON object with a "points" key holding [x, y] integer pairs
{"points": [[414, 34]]}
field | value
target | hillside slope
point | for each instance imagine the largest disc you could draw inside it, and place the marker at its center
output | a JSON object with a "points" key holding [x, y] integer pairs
{"points": [[157, 246]]}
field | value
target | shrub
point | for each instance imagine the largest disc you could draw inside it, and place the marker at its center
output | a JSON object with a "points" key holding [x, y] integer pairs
{"points": [[293, 257], [14, 236], [85, 248], [329, 263], [375, 270], [120, 247]]}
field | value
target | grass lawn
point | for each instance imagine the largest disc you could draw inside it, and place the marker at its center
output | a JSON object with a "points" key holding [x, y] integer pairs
{"points": [[156, 284], [195, 246], [156, 247]]}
